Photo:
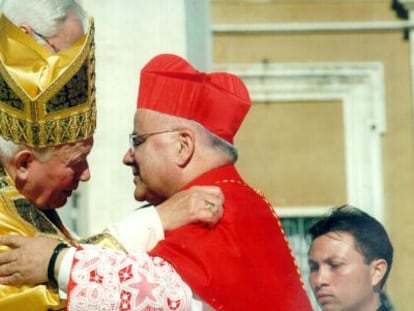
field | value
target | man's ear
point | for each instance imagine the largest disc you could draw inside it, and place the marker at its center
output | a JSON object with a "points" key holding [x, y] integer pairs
{"points": [[26, 29], [21, 162], [186, 146], [378, 269]]}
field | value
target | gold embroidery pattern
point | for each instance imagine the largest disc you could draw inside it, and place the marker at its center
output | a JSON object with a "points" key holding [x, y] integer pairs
{"points": [[32, 215], [104, 239]]}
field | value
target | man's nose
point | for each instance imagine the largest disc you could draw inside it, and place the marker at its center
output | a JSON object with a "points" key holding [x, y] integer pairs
{"points": [[85, 175], [128, 158], [320, 277]]}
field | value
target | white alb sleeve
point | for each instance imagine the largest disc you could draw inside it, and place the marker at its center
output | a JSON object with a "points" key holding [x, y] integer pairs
{"points": [[64, 272], [140, 230]]}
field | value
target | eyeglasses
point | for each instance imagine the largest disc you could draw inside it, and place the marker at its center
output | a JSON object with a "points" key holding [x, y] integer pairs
{"points": [[135, 140], [54, 48]]}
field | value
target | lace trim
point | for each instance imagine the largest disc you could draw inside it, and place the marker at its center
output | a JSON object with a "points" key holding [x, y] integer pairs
{"points": [[104, 279]]}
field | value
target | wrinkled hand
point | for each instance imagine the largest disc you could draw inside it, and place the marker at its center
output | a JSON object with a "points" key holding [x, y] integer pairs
{"points": [[197, 204], [27, 261]]}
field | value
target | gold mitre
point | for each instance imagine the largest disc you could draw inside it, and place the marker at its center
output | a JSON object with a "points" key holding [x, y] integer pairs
{"points": [[46, 99]]}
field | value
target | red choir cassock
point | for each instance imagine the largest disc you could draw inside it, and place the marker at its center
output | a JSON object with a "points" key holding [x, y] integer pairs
{"points": [[244, 262]]}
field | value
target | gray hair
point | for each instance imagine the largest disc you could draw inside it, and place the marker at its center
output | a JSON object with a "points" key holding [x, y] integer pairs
{"points": [[210, 139], [44, 16], [8, 150], [219, 144]]}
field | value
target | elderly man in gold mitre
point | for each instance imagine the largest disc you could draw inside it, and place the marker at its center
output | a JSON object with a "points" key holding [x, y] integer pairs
{"points": [[47, 122], [47, 119]]}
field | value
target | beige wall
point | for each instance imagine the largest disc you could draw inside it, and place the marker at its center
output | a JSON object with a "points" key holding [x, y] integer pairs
{"points": [[277, 175], [294, 152]]}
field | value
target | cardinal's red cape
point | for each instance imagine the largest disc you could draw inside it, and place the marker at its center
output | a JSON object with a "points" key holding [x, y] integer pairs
{"points": [[244, 262]]}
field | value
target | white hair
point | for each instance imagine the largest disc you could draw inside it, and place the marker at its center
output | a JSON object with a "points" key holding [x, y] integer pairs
{"points": [[43, 16], [8, 150]]}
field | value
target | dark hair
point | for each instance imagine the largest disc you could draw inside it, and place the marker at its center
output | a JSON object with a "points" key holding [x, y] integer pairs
{"points": [[371, 239]]}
